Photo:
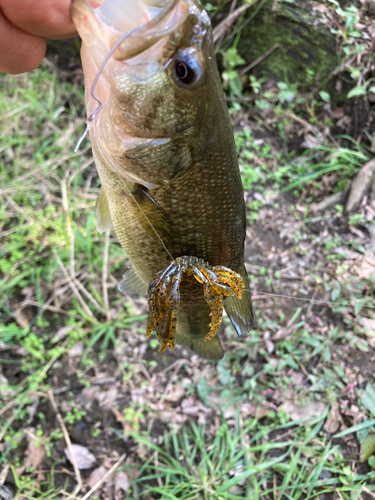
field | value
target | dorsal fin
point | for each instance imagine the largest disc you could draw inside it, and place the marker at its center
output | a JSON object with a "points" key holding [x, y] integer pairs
{"points": [[240, 311], [132, 284], [103, 215]]}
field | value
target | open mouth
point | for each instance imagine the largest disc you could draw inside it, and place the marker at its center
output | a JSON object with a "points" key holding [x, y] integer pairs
{"points": [[126, 15], [132, 25]]}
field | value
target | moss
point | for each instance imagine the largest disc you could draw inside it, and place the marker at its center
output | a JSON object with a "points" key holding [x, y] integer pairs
{"points": [[306, 48]]}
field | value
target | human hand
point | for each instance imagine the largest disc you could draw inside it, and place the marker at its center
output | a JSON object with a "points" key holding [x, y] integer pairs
{"points": [[24, 27]]}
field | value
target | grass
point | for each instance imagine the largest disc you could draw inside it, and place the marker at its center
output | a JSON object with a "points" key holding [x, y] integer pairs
{"points": [[190, 429]]}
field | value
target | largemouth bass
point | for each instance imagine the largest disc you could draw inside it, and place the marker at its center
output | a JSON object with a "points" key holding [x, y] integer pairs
{"points": [[164, 150]]}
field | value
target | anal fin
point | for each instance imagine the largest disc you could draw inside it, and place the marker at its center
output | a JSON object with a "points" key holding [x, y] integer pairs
{"points": [[132, 284], [240, 311], [103, 215]]}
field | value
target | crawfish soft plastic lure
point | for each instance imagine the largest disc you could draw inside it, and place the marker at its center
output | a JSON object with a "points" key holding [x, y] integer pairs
{"points": [[164, 295]]}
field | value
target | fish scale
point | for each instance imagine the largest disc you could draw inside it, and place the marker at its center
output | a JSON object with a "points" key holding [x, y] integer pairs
{"points": [[166, 157]]}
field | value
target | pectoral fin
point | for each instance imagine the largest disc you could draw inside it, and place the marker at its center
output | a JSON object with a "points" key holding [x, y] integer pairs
{"points": [[152, 217], [132, 283], [240, 311], [103, 215]]}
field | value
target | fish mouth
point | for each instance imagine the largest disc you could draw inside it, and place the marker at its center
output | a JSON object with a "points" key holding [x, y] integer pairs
{"points": [[127, 27]]}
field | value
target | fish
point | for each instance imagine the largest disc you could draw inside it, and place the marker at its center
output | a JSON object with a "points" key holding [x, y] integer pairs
{"points": [[164, 150]]}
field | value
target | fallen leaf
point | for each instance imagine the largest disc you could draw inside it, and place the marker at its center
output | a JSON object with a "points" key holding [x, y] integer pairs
{"points": [[62, 332], [176, 392], [333, 422], [76, 350], [5, 493], [367, 266], [260, 412], [84, 459], [369, 326], [35, 452], [23, 316], [121, 483], [95, 476], [296, 412], [108, 397]]}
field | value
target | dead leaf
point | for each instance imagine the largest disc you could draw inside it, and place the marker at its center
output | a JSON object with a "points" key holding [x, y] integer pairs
{"points": [[260, 411], [95, 476], [4, 391], [121, 483], [333, 422], [5, 493], [77, 350], [62, 332], [369, 326], [35, 451], [360, 186], [84, 459], [108, 397], [367, 266], [296, 412], [23, 316], [176, 392]]}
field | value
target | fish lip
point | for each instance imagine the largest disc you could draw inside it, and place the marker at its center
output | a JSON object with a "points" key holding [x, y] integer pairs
{"points": [[129, 42]]}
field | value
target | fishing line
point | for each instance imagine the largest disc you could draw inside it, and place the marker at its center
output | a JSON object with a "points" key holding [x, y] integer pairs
{"points": [[88, 126], [95, 82], [99, 108], [150, 223]]}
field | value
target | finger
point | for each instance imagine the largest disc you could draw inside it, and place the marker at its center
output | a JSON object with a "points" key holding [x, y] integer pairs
{"points": [[46, 18], [19, 51]]}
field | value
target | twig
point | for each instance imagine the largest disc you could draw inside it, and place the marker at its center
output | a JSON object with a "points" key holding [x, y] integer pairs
{"points": [[103, 479], [369, 492], [7, 425], [65, 204], [8, 405], [306, 124], [88, 295], [241, 99], [178, 366], [232, 7], [52, 360], [50, 308], [221, 28], [74, 288], [144, 370], [105, 276], [18, 208], [156, 466], [4, 473], [177, 362], [259, 60], [68, 443]]}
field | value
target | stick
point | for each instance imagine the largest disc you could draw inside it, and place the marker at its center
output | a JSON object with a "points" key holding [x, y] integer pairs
{"points": [[68, 443], [106, 475], [369, 492], [220, 28], [74, 288], [260, 59]]}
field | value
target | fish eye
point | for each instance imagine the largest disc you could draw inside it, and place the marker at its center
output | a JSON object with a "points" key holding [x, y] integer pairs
{"points": [[186, 69], [184, 72]]}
